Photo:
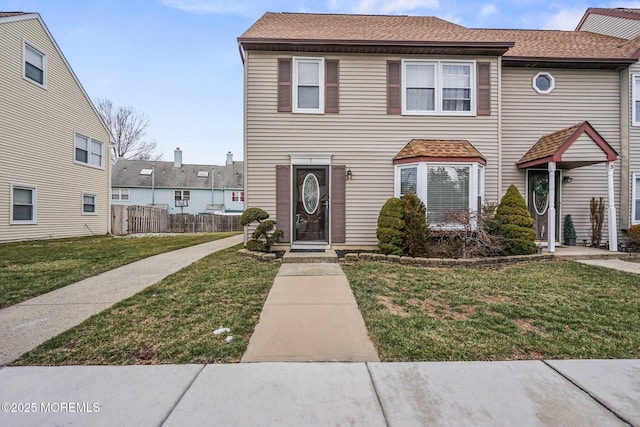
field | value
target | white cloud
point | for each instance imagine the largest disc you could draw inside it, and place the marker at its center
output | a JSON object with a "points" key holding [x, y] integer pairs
{"points": [[564, 19], [393, 6], [625, 4], [208, 6], [488, 9]]}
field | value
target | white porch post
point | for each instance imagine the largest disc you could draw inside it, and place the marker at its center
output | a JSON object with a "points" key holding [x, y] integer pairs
{"points": [[551, 213], [613, 227]]}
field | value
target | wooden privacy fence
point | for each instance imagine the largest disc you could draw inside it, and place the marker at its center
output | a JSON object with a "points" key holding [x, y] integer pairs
{"points": [[145, 219]]}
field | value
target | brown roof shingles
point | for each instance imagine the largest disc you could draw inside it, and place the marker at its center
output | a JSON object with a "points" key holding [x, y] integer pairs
{"points": [[549, 144], [9, 14], [435, 148], [381, 29]]}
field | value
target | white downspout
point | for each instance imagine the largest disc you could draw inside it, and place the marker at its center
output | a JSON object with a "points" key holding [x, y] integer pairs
{"points": [[613, 228], [551, 214]]}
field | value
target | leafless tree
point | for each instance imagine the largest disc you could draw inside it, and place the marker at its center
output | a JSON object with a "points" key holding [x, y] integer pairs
{"points": [[127, 126]]}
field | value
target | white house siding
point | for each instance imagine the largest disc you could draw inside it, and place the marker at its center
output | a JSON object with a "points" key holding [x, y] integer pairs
{"points": [[579, 95], [361, 136], [612, 26], [37, 142], [200, 199]]}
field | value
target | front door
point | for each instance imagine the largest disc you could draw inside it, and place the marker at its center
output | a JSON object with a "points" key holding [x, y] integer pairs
{"points": [[538, 201], [311, 200]]}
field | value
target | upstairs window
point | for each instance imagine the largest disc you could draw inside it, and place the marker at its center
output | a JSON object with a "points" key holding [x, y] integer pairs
{"points": [[120, 194], [308, 80], [89, 151], [23, 204], [34, 65], [182, 195], [435, 87]]}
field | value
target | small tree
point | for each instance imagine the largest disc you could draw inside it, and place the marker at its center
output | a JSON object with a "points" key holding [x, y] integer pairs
{"points": [[514, 222], [264, 235], [391, 230], [569, 231], [597, 219], [417, 227]]}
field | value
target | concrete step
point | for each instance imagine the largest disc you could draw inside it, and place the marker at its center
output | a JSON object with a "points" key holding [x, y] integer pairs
{"points": [[310, 257]]}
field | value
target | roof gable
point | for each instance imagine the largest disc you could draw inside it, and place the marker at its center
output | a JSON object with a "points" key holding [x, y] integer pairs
{"points": [[620, 12], [554, 148]]}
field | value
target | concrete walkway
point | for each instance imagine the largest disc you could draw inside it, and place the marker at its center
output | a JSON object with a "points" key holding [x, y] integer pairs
{"points": [[616, 264], [516, 393], [310, 315], [30, 323]]}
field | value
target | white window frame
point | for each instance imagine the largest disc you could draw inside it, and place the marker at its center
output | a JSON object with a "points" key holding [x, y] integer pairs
{"points": [[95, 203], [551, 87], [635, 194], [635, 96], [182, 193], [34, 198], [321, 83], [476, 171], [398, 185], [27, 45], [90, 142], [438, 110], [119, 193]]}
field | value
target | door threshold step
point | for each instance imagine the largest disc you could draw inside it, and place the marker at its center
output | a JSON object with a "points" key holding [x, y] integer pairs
{"points": [[296, 256]]}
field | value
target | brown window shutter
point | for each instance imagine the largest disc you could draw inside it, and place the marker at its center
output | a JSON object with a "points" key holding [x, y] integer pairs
{"points": [[332, 100], [484, 88], [283, 207], [284, 84], [338, 215], [394, 87]]}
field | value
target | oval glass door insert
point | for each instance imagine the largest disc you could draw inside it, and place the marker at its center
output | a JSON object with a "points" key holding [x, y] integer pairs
{"points": [[310, 193]]}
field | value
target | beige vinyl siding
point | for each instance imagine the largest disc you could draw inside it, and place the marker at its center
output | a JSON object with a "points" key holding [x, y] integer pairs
{"points": [[363, 137], [612, 26], [37, 142], [634, 139], [579, 95]]}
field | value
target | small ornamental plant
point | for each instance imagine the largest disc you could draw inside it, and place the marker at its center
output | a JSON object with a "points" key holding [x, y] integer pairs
{"points": [[568, 231], [265, 234], [391, 230], [514, 223]]}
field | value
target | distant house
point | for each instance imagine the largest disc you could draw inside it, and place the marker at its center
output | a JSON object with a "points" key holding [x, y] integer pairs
{"points": [[178, 187], [54, 149]]}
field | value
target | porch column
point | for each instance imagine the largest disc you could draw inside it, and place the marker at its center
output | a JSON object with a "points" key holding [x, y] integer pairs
{"points": [[613, 227], [551, 213]]}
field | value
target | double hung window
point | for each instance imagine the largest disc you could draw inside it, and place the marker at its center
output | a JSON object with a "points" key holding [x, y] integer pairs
{"points": [[34, 65], [23, 204], [89, 151]]}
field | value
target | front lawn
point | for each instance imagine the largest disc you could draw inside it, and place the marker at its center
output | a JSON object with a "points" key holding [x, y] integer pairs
{"points": [[172, 321], [29, 269], [554, 310]]}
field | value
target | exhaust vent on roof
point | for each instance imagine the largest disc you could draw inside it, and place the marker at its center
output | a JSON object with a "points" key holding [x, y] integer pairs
{"points": [[147, 172], [203, 174]]}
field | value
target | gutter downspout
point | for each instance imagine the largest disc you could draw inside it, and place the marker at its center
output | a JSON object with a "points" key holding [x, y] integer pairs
{"points": [[153, 185]]}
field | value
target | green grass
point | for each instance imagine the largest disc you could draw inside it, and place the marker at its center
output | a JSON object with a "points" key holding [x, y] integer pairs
{"points": [[29, 269], [554, 310], [172, 321]]}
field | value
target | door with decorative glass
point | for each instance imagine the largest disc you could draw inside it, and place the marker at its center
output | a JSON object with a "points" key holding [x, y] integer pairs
{"points": [[538, 201], [311, 202]]}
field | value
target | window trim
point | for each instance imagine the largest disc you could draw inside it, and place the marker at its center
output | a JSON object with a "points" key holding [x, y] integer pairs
{"points": [[24, 64], [182, 193], [321, 84], [551, 87], [90, 144], [635, 96], [476, 171], [237, 196], [120, 192], [438, 79], [95, 203], [34, 204], [635, 194]]}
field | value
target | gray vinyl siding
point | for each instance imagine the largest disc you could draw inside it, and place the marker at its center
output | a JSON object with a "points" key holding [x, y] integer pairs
{"points": [[634, 140], [37, 142], [612, 26], [579, 95], [363, 137]]}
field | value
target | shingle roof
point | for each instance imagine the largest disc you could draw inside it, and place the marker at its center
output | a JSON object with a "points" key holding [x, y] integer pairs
{"points": [[296, 29], [438, 149], [8, 14], [549, 144], [126, 174]]}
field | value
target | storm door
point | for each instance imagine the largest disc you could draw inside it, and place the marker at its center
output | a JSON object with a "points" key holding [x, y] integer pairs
{"points": [[538, 201], [311, 202]]}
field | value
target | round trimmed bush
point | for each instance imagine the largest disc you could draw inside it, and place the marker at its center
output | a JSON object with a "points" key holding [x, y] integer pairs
{"points": [[515, 224], [391, 230]]}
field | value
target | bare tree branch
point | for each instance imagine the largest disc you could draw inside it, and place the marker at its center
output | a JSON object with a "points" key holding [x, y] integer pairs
{"points": [[127, 126]]}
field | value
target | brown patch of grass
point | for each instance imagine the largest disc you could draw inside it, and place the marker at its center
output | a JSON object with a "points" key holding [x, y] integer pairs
{"points": [[440, 309], [524, 327], [393, 308]]}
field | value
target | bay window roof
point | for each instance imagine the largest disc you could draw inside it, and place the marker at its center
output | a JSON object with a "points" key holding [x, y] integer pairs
{"points": [[430, 150]]}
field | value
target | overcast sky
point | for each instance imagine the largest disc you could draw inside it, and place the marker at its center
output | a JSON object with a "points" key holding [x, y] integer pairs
{"points": [[178, 61]]}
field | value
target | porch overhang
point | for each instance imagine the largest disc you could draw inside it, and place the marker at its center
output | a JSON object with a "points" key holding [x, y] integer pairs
{"points": [[556, 148], [434, 150]]}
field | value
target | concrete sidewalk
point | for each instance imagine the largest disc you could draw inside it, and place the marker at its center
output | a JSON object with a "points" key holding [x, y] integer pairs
{"points": [[616, 264], [516, 393], [30, 323], [310, 315]]}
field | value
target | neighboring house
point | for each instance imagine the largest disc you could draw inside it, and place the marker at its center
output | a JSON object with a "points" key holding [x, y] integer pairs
{"points": [[54, 149], [344, 111], [178, 187], [624, 23]]}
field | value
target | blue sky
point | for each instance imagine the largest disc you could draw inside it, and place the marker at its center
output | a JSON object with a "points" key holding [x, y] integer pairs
{"points": [[178, 60]]}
